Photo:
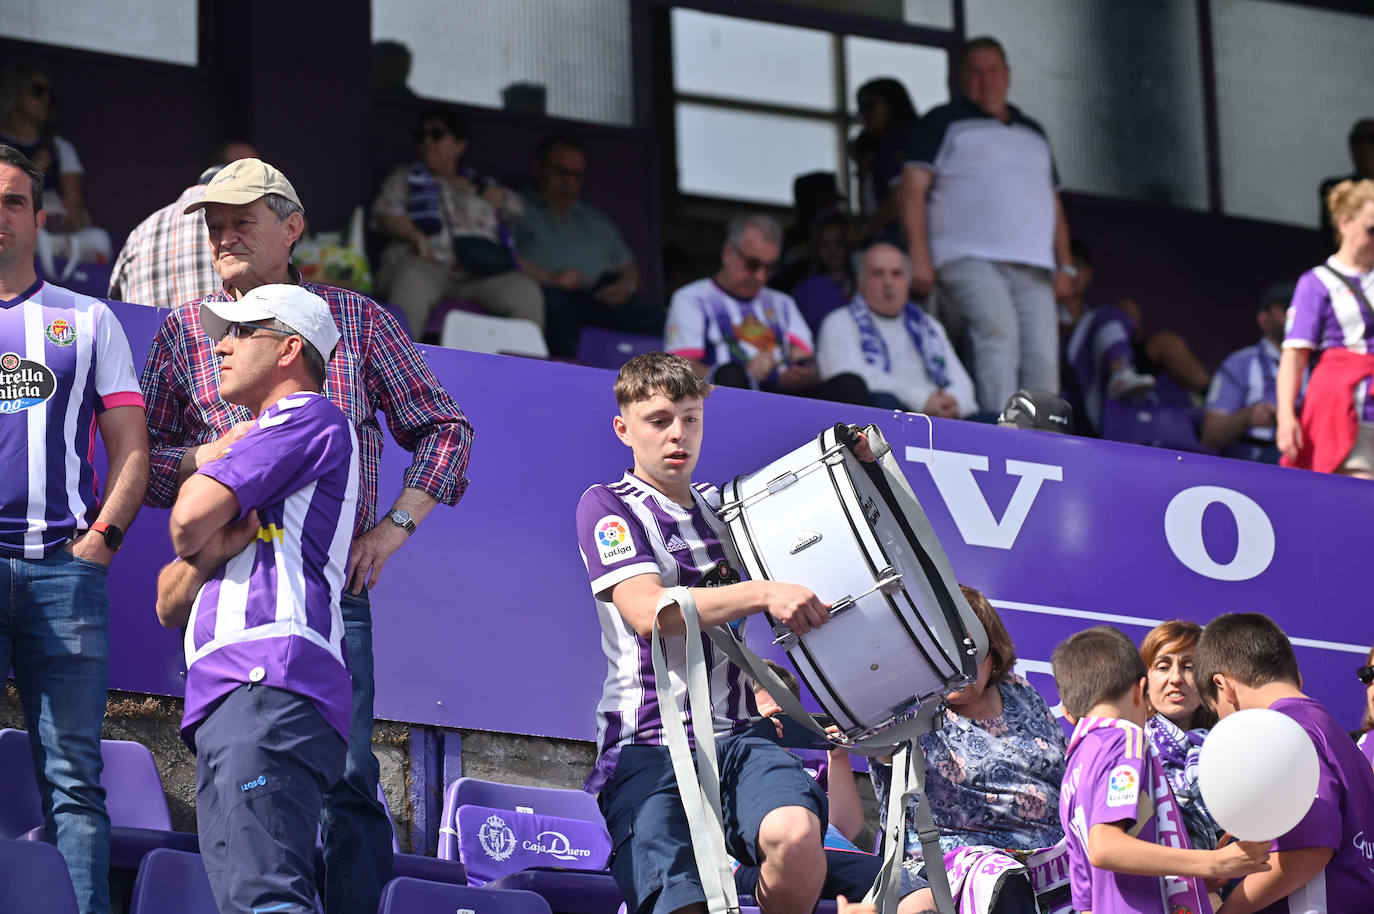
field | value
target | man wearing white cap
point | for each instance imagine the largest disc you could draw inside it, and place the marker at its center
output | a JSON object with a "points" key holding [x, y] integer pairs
{"points": [[254, 217], [262, 536]]}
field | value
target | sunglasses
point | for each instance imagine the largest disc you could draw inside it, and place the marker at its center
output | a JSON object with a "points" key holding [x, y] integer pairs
{"points": [[1365, 674], [1359, 139], [433, 133], [43, 90], [754, 264], [243, 329]]}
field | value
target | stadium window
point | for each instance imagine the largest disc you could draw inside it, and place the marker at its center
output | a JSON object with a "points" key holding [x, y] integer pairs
{"points": [[161, 30], [574, 54], [786, 93]]}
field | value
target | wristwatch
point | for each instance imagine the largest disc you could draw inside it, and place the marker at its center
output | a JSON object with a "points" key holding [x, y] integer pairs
{"points": [[401, 518], [1069, 270], [114, 537]]}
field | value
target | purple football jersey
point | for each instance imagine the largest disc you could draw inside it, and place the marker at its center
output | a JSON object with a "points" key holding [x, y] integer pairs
{"points": [[1325, 314], [271, 615], [1341, 818], [1114, 778]]}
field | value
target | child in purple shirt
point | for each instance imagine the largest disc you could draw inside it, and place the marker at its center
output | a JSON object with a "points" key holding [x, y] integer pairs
{"points": [[1128, 847], [1325, 864]]}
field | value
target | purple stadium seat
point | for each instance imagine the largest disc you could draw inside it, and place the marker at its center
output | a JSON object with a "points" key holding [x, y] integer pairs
{"points": [[172, 882], [611, 349], [434, 324], [496, 842], [87, 278], [34, 877], [404, 895]]}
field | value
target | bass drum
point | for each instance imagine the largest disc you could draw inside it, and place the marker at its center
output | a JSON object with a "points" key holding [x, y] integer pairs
{"points": [[901, 634]]}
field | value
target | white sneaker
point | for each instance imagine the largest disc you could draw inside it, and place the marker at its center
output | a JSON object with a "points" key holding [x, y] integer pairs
{"points": [[1127, 384]]}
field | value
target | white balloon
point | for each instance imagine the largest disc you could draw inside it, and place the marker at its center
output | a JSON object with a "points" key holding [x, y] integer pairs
{"points": [[1258, 774]]}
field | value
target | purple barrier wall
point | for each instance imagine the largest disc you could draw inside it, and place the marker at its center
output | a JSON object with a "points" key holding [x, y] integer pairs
{"points": [[484, 620]]}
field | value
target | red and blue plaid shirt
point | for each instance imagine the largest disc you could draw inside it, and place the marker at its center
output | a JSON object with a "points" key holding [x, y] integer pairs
{"points": [[376, 367]]}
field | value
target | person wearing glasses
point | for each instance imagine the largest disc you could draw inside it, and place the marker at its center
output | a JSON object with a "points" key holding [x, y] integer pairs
{"points": [[1362, 157], [1331, 317], [737, 332], [448, 231], [254, 217], [1366, 677], [28, 120], [576, 252], [261, 536]]}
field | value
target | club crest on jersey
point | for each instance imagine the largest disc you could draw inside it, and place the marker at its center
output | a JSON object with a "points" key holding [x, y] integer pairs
{"points": [[1123, 786], [24, 383], [719, 576], [60, 332], [613, 538]]}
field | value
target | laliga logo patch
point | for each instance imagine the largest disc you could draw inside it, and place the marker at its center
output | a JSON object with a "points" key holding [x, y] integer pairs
{"points": [[1122, 786], [497, 838], [61, 332], [24, 383], [613, 538]]}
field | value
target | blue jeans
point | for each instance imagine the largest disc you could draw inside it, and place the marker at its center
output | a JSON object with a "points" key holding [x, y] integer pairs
{"points": [[357, 834], [55, 630]]}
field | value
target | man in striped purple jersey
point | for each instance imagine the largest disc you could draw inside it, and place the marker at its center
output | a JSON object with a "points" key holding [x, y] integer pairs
{"points": [[65, 370], [651, 530], [262, 535]]}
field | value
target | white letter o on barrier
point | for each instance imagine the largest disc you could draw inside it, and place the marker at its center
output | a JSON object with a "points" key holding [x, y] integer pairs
{"points": [[1254, 533]]}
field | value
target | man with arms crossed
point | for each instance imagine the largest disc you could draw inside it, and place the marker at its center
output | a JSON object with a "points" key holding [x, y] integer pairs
{"points": [[65, 370], [254, 218], [261, 534]]}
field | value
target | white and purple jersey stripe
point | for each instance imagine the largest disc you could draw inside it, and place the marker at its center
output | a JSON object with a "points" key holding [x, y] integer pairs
{"points": [[64, 359], [1101, 338], [707, 323], [1246, 377], [1325, 314], [630, 528], [271, 615]]}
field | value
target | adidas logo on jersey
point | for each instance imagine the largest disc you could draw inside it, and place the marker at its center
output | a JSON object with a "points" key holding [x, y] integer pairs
{"points": [[676, 544]]}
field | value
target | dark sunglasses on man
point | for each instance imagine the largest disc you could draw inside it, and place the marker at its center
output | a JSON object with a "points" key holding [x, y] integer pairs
{"points": [[43, 90], [239, 330], [1365, 674], [433, 133], [754, 264], [1364, 137]]}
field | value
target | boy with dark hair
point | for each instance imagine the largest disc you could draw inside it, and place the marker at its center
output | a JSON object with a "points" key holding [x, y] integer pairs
{"points": [[651, 530], [1128, 847], [1243, 661]]}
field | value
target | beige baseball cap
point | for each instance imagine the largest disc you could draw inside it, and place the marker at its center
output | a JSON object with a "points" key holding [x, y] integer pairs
{"points": [[243, 182], [302, 310]]}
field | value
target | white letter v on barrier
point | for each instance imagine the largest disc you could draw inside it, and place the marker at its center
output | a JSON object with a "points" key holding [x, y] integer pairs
{"points": [[953, 475]]}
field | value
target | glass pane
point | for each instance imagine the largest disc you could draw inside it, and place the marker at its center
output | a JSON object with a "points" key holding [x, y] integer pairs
{"points": [[754, 61], [1290, 82], [934, 13], [576, 51], [1124, 115], [922, 71], [741, 155], [163, 30], [938, 14]]}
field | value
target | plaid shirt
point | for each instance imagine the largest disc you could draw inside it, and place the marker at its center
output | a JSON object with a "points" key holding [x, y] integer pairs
{"points": [[166, 259], [376, 367]]}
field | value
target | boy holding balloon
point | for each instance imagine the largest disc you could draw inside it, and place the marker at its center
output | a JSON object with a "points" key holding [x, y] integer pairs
{"points": [[1128, 846], [1324, 863]]}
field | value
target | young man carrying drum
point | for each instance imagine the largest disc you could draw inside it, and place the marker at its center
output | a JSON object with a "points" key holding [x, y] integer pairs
{"points": [[651, 530]]}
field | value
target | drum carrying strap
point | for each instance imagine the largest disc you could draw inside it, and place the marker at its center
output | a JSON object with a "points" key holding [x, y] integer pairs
{"points": [[699, 788]]}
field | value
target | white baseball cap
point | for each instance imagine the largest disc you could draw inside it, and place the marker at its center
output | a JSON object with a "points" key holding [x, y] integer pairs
{"points": [[301, 310]]}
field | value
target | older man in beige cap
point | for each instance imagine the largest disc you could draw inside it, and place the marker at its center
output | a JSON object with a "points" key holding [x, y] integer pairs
{"points": [[254, 217]]}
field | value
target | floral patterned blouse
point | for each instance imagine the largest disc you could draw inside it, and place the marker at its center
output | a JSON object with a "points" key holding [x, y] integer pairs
{"points": [[990, 782]]}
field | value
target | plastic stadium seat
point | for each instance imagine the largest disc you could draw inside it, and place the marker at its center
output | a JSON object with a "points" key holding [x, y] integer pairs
{"points": [[434, 324], [172, 882], [550, 801], [34, 877], [87, 278], [611, 349], [404, 895], [485, 333]]}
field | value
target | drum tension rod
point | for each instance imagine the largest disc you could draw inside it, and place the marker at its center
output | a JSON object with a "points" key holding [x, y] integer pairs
{"points": [[889, 581]]}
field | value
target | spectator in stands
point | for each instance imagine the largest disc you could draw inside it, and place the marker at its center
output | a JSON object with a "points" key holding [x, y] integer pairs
{"points": [[1241, 404], [576, 252], [448, 231], [28, 122], [391, 73], [1166, 354], [994, 767], [166, 259], [901, 352], [268, 696], [254, 217], [737, 332], [829, 280], [980, 207], [890, 118], [1178, 722], [1331, 315], [60, 534], [1361, 141], [814, 194], [1366, 676]]}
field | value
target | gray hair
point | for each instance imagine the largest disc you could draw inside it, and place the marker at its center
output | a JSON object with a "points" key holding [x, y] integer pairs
{"points": [[765, 225], [283, 208], [11, 156]]}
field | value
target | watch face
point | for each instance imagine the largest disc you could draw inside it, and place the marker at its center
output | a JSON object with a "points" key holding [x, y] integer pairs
{"points": [[400, 516], [114, 537]]}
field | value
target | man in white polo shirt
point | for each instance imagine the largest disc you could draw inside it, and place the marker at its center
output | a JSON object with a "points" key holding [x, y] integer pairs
{"points": [[980, 208], [262, 534]]}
